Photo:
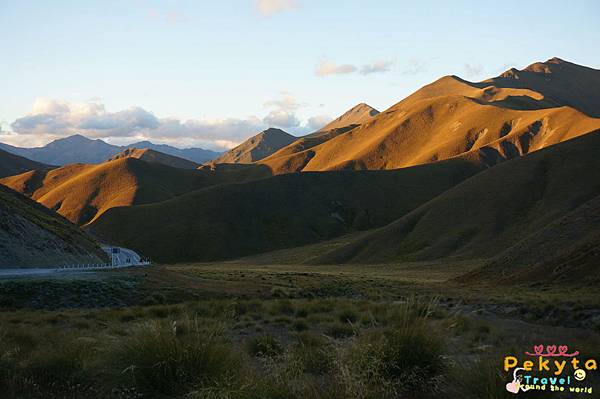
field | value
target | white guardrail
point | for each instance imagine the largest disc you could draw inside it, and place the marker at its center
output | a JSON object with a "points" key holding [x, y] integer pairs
{"points": [[99, 266], [119, 258]]}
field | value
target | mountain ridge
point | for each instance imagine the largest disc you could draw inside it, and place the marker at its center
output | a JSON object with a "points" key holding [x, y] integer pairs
{"points": [[356, 115], [452, 116], [257, 147], [80, 149]]}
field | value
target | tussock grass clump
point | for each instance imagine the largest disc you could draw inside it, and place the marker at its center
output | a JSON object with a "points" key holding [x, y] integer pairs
{"points": [[397, 361], [348, 315], [313, 354], [57, 370], [402, 360], [299, 325], [282, 307], [157, 358], [482, 378], [264, 346], [339, 330]]}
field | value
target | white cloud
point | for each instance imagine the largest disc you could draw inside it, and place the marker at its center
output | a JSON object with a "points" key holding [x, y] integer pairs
{"points": [[270, 7], [287, 102], [281, 119], [415, 67], [377, 67], [472, 70], [327, 68], [318, 121], [51, 119], [282, 112]]}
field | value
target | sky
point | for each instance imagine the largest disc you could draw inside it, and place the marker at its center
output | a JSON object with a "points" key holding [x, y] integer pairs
{"points": [[213, 73]]}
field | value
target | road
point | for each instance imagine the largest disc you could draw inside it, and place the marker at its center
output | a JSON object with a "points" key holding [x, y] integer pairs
{"points": [[121, 257]]}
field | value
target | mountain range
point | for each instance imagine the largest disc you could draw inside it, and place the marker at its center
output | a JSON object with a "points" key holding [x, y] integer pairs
{"points": [[502, 172], [80, 149], [497, 119]]}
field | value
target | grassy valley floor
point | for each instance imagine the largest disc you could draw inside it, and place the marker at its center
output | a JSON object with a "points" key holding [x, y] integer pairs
{"points": [[268, 327]]}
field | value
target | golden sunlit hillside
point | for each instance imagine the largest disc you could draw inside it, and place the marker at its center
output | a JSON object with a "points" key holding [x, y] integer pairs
{"points": [[356, 115], [514, 114]]}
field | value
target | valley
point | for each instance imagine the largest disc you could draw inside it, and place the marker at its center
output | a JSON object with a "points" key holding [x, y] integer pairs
{"points": [[393, 254]]}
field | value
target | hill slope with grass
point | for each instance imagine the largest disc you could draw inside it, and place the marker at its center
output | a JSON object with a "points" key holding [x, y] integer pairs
{"points": [[356, 115], [228, 221], [514, 114], [83, 192], [537, 210], [33, 236], [11, 164], [293, 157]]}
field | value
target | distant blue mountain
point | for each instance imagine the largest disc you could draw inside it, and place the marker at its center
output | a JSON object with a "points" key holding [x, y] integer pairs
{"points": [[80, 149]]}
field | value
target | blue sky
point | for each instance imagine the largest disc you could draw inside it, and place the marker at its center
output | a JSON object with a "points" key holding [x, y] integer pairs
{"points": [[212, 73]]}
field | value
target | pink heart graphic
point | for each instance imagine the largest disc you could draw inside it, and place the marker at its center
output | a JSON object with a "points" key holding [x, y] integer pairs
{"points": [[538, 349], [562, 350], [551, 349], [512, 387]]}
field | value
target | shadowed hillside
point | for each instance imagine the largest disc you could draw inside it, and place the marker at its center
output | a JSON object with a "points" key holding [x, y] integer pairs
{"points": [[541, 209], [197, 155], [228, 221], [33, 236], [82, 192], [152, 156], [517, 113], [11, 164]]}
